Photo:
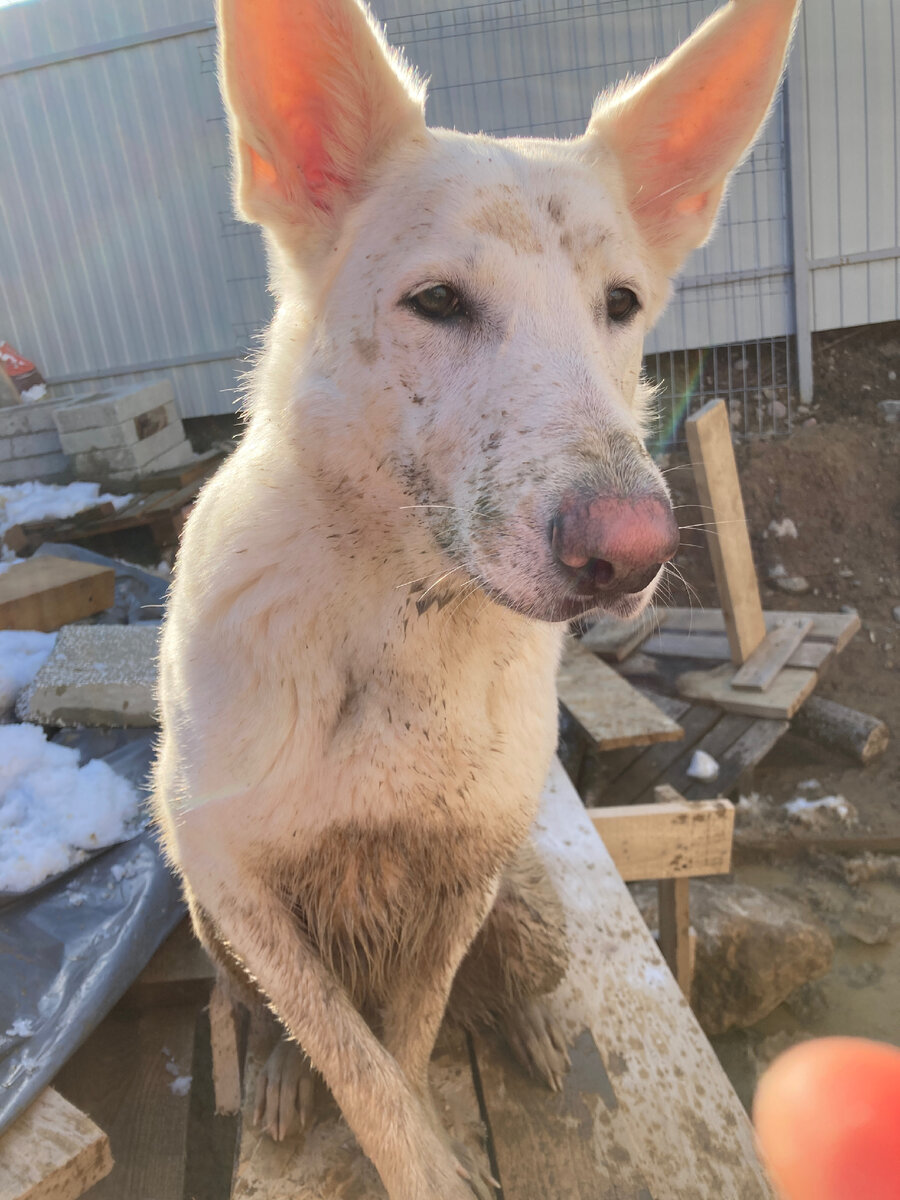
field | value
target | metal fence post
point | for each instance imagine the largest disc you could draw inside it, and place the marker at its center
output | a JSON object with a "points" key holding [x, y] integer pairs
{"points": [[798, 185]]}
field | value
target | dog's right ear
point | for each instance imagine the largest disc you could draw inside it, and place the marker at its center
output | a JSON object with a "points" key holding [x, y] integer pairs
{"points": [[315, 97]]}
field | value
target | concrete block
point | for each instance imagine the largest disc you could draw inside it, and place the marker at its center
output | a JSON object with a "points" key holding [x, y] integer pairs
{"points": [[126, 433], [29, 445], [101, 464], [113, 408], [28, 418], [96, 675], [5, 449], [41, 467], [178, 456]]}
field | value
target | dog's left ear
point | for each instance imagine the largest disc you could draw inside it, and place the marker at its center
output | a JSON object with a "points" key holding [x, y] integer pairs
{"points": [[678, 132]]}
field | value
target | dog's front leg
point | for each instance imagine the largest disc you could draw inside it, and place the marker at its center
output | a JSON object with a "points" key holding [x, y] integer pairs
{"points": [[390, 1121]]}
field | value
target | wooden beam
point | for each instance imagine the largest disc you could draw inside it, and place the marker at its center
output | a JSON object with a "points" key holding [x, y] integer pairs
{"points": [[832, 627], [52, 1152], [714, 647], [615, 639], [46, 593], [780, 702], [715, 473], [667, 841], [609, 709], [673, 897], [226, 1064], [180, 972], [772, 653]]}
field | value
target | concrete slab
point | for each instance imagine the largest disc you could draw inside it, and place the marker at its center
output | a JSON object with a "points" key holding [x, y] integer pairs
{"points": [[96, 675], [45, 467], [126, 433], [101, 464], [114, 407]]}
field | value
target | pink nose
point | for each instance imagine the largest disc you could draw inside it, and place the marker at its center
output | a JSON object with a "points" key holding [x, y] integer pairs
{"points": [[613, 544]]}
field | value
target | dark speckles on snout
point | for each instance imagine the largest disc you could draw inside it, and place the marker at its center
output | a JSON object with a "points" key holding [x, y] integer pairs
{"points": [[556, 209], [417, 399], [366, 348], [492, 442]]}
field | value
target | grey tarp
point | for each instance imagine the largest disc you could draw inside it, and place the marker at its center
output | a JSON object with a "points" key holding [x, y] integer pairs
{"points": [[71, 948]]}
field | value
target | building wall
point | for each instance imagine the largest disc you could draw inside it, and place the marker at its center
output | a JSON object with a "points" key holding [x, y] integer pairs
{"points": [[120, 259]]}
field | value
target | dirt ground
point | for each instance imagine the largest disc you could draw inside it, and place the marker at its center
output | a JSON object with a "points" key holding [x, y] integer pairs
{"points": [[836, 477]]}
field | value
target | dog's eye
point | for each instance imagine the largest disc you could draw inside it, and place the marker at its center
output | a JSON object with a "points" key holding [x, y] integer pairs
{"points": [[438, 303], [621, 303]]}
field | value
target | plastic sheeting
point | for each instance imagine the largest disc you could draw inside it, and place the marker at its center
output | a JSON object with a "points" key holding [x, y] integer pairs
{"points": [[70, 948]]}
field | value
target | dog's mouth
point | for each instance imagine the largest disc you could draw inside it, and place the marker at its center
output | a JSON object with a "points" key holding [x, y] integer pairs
{"points": [[571, 606]]}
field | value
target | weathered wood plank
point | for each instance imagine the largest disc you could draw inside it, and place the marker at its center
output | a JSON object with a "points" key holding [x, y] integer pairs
{"points": [[52, 1152], [610, 710], [615, 639], [46, 593], [834, 627], [780, 702], [131, 1077], [226, 1066], [738, 760], [674, 906], [715, 473], [180, 972], [657, 761], [667, 841], [325, 1163], [715, 647], [772, 653], [647, 1112]]}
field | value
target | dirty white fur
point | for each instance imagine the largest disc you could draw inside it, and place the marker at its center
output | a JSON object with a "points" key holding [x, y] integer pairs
{"points": [[366, 618]]}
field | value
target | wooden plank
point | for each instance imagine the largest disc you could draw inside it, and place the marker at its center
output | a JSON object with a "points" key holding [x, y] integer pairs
{"points": [[772, 653], [26, 538], [647, 1112], [673, 902], [52, 1152], [192, 473], [226, 1066], [781, 701], [180, 972], [833, 627], [615, 639], [715, 473], [656, 762], [325, 1162], [667, 841], [716, 743], [123, 1077], [46, 593], [715, 647], [610, 710], [739, 759]]}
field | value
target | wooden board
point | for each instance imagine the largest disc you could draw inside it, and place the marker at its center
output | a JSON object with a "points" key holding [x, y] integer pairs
{"points": [[180, 972], [674, 908], [772, 653], [325, 1163], [646, 1112], [52, 1152], [780, 702], [715, 473], [610, 710], [197, 471], [714, 647], [667, 841], [739, 758], [833, 627], [122, 1077], [46, 593], [654, 765], [616, 639]]}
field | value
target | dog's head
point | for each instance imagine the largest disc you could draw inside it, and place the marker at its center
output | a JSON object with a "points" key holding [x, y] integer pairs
{"points": [[476, 306]]}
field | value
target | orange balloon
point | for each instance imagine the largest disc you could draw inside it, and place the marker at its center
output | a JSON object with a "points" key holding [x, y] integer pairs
{"points": [[827, 1117]]}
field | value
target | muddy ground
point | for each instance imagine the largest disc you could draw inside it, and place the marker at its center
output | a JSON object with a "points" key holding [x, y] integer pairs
{"points": [[836, 477]]}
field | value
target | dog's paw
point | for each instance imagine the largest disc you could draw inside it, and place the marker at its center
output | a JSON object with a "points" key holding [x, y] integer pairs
{"points": [[285, 1091], [537, 1041], [474, 1172]]}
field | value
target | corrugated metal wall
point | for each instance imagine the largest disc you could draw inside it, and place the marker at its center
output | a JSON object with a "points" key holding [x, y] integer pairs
{"points": [[119, 258]]}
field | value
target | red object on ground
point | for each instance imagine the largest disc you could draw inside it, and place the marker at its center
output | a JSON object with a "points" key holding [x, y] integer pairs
{"points": [[23, 373], [827, 1116]]}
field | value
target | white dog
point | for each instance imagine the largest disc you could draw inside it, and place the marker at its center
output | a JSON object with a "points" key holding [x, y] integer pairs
{"points": [[443, 465]]}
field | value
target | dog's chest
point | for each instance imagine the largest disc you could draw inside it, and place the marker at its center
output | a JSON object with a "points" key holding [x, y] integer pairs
{"points": [[378, 902]]}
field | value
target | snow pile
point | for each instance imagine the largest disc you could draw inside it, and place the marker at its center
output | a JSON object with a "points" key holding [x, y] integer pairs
{"points": [[702, 766], [22, 502], [22, 654], [804, 810], [37, 391], [181, 1084], [51, 810], [785, 528]]}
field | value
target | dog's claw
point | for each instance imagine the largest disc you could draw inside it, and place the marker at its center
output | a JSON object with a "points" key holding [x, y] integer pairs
{"points": [[285, 1092], [537, 1041]]}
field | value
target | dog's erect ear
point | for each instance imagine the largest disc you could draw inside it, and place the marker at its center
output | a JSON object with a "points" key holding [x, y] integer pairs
{"points": [[315, 97], [679, 131]]}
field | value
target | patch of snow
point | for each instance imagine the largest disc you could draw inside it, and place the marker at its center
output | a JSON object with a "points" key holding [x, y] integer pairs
{"points": [[802, 808], [777, 571], [807, 784], [36, 392], [22, 654], [785, 528], [76, 898], [703, 766], [181, 1086], [20, 1028], [52, 811], [120, 872], [23, 502]]}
